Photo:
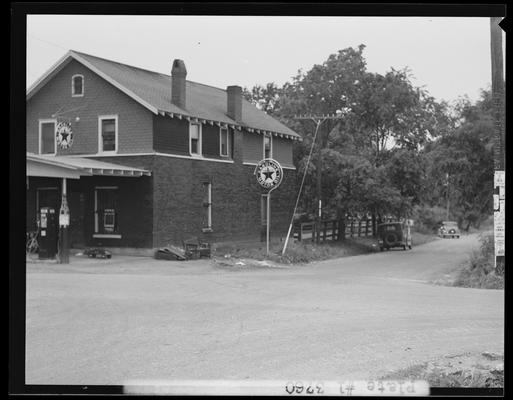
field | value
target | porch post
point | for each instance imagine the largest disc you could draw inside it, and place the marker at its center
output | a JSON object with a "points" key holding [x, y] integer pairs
{"points": [[64, 227]]}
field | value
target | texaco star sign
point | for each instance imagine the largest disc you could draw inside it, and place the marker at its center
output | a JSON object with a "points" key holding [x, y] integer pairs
{"points": [[269, 173]]}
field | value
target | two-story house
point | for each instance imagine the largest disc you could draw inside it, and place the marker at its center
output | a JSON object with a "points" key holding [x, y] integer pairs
{"points": [[151, 159]]}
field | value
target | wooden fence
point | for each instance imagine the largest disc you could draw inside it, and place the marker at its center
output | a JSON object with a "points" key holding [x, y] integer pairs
{"points": [[330, 230]]}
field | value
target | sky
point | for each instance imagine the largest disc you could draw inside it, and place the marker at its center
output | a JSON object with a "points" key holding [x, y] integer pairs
{"points": [[448, 56]]}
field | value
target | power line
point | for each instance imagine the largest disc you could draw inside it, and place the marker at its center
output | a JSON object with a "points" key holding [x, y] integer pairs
{"points": [[47, 42]]}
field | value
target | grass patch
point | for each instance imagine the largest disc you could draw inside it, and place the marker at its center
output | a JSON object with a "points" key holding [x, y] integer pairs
{"points": [[479, 271], [297, 252], [478, 376], [305, 252]]}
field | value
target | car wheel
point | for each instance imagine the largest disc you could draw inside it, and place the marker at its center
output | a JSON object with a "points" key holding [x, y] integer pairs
{"points": [[404, 247], [381, 249], [409, 246]]}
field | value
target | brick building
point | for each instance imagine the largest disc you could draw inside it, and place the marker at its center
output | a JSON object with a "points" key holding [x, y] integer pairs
{"points": [[154, 159]]}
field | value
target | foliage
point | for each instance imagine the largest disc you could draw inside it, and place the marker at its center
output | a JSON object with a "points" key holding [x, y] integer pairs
{"points": [[394, 150], [428, 218], [480, 271], [461, 165]]}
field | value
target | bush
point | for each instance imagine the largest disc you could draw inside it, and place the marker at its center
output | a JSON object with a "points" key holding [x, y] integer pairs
{"points": [[480, 271], [428, 219]]}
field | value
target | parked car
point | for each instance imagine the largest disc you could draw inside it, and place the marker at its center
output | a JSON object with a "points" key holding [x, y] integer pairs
{"points": [[394, 234], [449, 229]]}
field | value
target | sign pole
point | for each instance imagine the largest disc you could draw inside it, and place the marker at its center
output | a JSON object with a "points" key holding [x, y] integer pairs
{"points": [[268, 218], [269, 175], [63, 226]]}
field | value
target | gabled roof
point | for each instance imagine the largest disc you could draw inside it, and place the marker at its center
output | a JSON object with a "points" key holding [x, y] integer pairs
{"points": [[153, 91]]}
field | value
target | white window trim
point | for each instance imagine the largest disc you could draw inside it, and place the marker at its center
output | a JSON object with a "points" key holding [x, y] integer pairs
{"points": [[73, 94], [200, 135], [221, 129], [46, 121], [100, 140], [271, 146], [96, 222]]}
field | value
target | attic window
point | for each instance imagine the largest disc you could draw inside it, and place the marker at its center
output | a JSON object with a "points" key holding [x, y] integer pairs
{"points": [[77, 85]]}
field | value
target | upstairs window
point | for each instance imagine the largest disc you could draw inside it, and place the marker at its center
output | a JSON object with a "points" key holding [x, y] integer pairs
{"points": [[268, 146], [77, 85], [223, 142], [108, 133], [47, 144], [195, 139]]}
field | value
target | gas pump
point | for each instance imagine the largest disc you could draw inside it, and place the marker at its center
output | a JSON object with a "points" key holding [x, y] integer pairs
{"points": [[48, 234]]}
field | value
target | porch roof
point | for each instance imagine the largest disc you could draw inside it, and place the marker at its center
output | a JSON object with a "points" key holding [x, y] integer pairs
{"points": [[75, 167]]}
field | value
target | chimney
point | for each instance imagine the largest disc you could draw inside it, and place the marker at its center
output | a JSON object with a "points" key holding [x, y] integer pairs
{"points": [[178, 74], [234, 106]]}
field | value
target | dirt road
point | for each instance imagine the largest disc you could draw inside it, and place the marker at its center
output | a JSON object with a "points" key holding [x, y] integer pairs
{"points": [[106, 322]]}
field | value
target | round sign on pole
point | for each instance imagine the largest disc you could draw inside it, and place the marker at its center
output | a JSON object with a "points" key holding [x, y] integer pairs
{"points": [[269, 173]]}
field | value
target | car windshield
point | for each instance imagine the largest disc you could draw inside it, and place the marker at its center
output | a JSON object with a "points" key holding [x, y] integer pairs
{"points": [[450, 224], [390, 227]]}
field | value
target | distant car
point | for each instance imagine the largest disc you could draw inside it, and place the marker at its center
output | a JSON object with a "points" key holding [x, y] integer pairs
{"points": [[449, 229], [394, 234]]}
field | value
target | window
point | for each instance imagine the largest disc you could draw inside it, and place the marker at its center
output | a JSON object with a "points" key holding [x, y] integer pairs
{"points": [[106, 212], [223, 142], [47, 144], [268, 146], [263, 209], [77, 85], [207, 206], [195, 139], [108, 134]]}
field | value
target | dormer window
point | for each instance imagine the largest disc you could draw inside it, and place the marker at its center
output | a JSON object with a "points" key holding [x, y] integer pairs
{"points": [[77, 85]]}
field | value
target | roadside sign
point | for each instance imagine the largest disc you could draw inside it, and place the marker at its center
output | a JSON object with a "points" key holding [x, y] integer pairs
{"points": [[269, 175], [499, 211]]}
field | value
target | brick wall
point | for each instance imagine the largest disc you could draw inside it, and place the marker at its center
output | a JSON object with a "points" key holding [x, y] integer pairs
{"points": [[100, 98], [236, 201]]}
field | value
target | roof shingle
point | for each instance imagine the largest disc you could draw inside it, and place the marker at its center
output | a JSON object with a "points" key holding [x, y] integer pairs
{"points": [[203, 101]]}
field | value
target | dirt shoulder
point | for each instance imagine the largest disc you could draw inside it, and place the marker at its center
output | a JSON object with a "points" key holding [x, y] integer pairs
{"points": [[463, 370]]}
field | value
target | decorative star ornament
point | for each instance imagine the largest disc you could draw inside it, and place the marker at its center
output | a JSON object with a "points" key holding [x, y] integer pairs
{"points": [[64, 135]]}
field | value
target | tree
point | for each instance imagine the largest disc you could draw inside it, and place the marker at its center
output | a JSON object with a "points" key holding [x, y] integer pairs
{"points": [[373, 159], [466, 156], [266, 98]]}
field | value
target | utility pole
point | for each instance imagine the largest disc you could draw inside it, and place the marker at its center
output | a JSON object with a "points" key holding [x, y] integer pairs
{"points": [[319, 120], [499, 142], [498, 90], [448, 198]]}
